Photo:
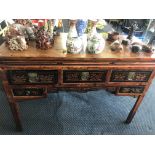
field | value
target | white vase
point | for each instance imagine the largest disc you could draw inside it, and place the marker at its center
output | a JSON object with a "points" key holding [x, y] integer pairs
{"points": [[73, 43], [95, 43]]}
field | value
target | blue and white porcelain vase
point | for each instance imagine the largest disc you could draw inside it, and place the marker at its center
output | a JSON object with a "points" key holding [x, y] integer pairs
{"points": [[81, 26], [73, 43], [95, 43]]}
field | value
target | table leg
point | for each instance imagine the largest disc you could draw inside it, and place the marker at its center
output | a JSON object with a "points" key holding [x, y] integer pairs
{"points": [[134, 109], [15, 111], [14, 106]]}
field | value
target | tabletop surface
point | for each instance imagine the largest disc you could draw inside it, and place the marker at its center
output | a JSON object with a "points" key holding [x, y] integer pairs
{"points": [[33, 53]]}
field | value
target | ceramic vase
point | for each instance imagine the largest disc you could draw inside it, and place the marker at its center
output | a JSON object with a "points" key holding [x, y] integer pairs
{"points": [[81, 25], [73, 43], [95, 43]]}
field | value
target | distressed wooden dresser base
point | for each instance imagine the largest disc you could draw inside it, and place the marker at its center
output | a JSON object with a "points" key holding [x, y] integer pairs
{"points": [[34, 73]]}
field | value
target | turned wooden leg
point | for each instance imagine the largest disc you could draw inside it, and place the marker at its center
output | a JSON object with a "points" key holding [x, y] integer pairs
{"points": [[13, 105], [15, 111], [134, 109]]}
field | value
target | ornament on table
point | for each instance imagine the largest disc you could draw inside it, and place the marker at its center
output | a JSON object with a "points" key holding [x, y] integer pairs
{"points": [[146, 49], [43, 39], [116, 46], [81, 26], [17, 43], [15, 39], [133, 27], [26, 28], [95, 43], [50, 26], [136, 48], [125, 42], [113, 36], [73, 43], [22, 21], [90, 25], [60, 23], [140, 47], [100, 24]]}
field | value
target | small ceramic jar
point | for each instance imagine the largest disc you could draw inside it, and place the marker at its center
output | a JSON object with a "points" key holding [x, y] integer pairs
{"points": [[136, 48], [146, 49], [74, 45]]}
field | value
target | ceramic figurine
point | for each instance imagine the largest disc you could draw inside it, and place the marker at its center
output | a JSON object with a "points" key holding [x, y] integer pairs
{"points": [[73, 43], [116, 46], [113, 37], [95, 42]]}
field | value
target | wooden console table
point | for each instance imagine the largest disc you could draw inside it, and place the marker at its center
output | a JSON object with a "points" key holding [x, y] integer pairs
{"points": [[32, 74]]}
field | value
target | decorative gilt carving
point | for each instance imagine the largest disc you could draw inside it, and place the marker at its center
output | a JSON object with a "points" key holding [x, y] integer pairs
{"points": [[124, 76], [28, 92], [84, 76], [138, 89], [37, 76]]}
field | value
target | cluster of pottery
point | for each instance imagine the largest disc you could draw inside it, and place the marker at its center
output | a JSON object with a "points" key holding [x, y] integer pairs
{"points": [[116, 45], [113, 40], [22, 32], [79, 42], [139, 47]]}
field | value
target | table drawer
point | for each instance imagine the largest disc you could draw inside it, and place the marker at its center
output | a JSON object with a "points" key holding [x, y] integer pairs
{"points": [[131, 90], [84, 76], [130, 76], [32, 76], [28, 91]]}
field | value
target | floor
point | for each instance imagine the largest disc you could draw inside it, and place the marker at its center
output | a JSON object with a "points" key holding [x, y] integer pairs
{"points": [[73, 113]]}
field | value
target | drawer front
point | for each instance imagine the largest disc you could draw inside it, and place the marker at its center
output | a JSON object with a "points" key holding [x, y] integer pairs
{"points": [[132, 90], [84, 76], [130, 76], [28, 91], [33, 76]]}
